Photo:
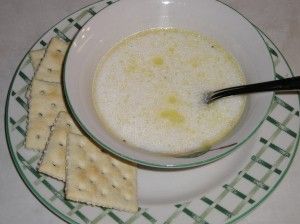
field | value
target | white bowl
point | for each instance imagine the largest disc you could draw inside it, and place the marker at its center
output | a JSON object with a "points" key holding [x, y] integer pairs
{"points": [[126, 17]]}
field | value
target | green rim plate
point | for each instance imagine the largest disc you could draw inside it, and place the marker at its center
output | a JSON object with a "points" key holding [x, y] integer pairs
{"points": [[275, 146]]}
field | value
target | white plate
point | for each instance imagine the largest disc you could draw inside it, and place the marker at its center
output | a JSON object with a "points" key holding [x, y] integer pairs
{"points": [[221, 192], [211, 18]]}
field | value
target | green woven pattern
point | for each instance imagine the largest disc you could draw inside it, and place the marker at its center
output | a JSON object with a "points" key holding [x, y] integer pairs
{"points": [[265, 168]]}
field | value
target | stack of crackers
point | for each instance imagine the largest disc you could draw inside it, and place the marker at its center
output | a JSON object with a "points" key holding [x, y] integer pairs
{"points": [[91, 175]]}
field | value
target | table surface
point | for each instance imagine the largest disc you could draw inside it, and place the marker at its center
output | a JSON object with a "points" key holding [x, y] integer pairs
{"points": [[23, 22]]}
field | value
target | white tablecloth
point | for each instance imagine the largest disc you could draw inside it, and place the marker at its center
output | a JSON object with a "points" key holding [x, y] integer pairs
{"points": [[23, 22]]}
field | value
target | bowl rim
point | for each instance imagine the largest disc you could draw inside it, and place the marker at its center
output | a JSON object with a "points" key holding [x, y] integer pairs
{"points": [[158, 165]]}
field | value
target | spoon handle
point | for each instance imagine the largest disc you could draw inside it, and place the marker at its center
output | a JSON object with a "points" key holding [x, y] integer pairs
{"points": [[288, 84]]}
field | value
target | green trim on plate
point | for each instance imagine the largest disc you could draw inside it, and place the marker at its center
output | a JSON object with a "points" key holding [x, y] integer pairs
{"points": [[7, 135], [296, 144], [25, 167]]}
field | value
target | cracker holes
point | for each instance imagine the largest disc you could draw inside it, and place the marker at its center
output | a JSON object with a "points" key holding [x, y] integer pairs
{"points": [[81, 165], [42, 92], [91, 181], [81, 187], [81, 144], [115, 163], [54, 164], [49, 69], [53, 105], [115, 184], [61, 144], [69, 125], [40, 114], [124, 178]]}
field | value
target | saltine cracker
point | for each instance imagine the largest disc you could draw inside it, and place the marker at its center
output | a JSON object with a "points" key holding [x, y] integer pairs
{"points": [[50, 68], [94, 177], [46, 101], [53, 161]]}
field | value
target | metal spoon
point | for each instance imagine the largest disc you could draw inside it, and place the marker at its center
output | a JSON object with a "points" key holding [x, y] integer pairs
{"points": [[288, 84]]}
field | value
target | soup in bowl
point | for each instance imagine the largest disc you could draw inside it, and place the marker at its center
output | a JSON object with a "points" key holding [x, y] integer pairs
{"points": [[148, 91], [135, 84]]}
